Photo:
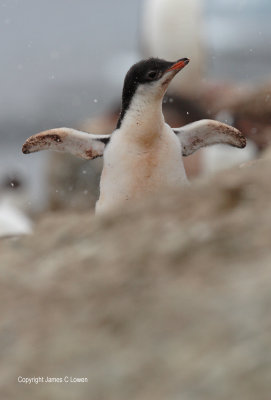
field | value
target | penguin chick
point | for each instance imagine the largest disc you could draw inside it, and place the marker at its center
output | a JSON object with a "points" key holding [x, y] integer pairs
{"points": [[143, 155]]}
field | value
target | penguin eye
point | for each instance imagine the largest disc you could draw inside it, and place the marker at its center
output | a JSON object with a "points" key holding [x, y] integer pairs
{"points": [[152, 75]]}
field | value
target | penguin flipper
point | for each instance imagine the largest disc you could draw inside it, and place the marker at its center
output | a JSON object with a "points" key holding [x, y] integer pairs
{"points": [[81, 144], [207, 132]]}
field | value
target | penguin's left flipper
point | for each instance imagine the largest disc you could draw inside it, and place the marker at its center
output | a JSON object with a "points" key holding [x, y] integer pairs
{"points": [[207, 132], [81, 144]]}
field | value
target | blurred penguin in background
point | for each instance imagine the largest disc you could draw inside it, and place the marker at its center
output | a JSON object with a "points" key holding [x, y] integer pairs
{"points": [[14, 220], [173, 27]]}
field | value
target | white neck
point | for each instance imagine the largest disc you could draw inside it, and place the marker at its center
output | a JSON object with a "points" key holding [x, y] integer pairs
{"points": [[144, 116]]}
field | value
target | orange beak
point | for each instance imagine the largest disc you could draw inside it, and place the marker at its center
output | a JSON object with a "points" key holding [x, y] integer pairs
{"points": [[180, 64]]}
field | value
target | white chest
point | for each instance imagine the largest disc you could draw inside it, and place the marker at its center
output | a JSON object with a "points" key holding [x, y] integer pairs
{"points": [[136, 167]]}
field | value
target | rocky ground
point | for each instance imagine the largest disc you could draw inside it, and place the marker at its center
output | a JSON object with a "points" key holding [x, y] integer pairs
{"points": [[170, 300]]}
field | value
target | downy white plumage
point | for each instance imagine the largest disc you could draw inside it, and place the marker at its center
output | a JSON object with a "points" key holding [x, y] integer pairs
{"points": [[144, 154]]}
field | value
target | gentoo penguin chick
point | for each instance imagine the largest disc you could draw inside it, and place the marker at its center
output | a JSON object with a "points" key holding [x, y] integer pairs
{"points": [[144, 154]]}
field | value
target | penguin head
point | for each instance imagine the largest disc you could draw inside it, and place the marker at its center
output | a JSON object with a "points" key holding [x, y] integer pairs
{"points": [[149, 80]]}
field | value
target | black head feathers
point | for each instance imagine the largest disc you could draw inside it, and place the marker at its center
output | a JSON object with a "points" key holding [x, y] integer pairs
{"points": [[145, 71]]}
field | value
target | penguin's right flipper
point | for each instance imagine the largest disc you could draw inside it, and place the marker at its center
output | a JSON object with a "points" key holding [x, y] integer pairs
{"points": [[207, 132], [81, 144]]}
